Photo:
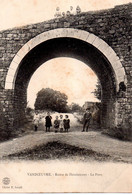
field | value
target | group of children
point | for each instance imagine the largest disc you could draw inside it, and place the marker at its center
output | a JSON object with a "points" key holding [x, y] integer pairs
{"points": [[60, 124]]}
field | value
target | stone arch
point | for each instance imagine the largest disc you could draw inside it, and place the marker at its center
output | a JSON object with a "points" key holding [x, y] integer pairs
{"points": [[90, 38]]}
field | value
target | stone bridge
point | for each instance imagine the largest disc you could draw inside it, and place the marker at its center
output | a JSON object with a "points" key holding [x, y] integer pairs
{"points": [[100, 39]]}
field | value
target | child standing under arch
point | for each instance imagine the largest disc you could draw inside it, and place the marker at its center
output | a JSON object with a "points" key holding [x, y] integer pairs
{"points": [[61, 126], [56, 124], [36, 121], [66, 122], [48, 123]]}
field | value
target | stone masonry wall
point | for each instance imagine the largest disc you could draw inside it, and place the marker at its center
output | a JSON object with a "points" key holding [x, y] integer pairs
{"points": [[113, 26]]}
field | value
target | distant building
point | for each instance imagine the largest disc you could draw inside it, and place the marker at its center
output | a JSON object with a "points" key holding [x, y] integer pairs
{"points": [[89, 105]]}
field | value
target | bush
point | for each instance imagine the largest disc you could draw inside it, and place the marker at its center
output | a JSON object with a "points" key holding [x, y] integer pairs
{"points": [[75, 107], [120, 133], [29, 114], [4, 132]]}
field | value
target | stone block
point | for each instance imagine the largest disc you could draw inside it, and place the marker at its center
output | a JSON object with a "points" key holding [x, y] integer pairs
{"points": [[75, 33], [22, 52], [46, 25], [11, 72], [9, 79], [84, 35], [103, 46], [66, 24], [91, 38], [97, 42], [9, 35], [121, 73], [54, 25], [117, 64], [112, 31]]}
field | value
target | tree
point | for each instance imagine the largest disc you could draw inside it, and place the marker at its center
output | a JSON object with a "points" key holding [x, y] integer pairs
{"points": [[51, 99], [97, 91], [75, 107]]}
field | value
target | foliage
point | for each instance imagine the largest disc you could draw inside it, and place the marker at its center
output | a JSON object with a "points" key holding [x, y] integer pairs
{"points": [[97, 91], [4, 133], [51, 99], [56, 150], [75, 107], [28, 110], [119, 133]]}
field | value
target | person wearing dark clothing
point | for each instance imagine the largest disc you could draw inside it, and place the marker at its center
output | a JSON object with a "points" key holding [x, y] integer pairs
{"points": [[48, 123], [86, 119], [66, 122], [56, 124]]}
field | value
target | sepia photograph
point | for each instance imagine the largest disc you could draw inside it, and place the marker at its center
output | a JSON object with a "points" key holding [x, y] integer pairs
{"points": [[65, 96]]}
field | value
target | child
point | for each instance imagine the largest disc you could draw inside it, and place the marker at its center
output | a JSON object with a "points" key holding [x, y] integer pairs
{"points": [[61, 123], [86, 119], [66, 122], [36, 121], [48, 123], [56, 124]]}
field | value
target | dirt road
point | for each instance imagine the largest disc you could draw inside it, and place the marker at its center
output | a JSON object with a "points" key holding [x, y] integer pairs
{"points": [[92, 140]]}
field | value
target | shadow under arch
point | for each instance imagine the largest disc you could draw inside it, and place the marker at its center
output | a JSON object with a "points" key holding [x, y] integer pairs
{"points": [[65, 47]]}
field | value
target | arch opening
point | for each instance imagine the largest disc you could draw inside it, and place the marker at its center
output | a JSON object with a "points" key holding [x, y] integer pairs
{"points": [[90, 38], [67, 75], [66, 47]]}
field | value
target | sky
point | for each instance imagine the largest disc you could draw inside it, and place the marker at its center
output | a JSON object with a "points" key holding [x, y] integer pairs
{"points": [[66, 75]]}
